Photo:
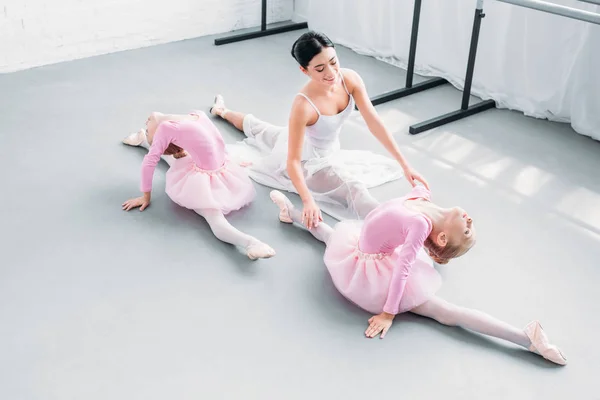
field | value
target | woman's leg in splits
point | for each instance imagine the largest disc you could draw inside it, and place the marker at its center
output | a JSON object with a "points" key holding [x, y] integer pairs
{"points": [[342, 189], [225, 232], [531, 338], [233, 117], [289, 214], [252, 127]]}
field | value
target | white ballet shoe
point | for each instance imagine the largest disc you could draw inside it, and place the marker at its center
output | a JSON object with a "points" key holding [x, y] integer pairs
{"points": [[218, 108], [259, 250], [135, 139], [540, 344], [284, 205]]}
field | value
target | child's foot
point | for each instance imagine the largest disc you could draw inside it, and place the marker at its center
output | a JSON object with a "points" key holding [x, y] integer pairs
{"points": [[541, 346], [258, 250], [218, 108], [135, 139], [284, 204]]}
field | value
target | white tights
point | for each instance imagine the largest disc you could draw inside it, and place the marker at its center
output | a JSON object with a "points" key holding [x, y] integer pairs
{"points": [[322, 232], [219, 225], [224, 231], [438, 309], [452, 315]]}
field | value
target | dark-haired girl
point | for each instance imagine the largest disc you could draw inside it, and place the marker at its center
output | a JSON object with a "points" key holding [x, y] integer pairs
{"points": [[305, 157]]}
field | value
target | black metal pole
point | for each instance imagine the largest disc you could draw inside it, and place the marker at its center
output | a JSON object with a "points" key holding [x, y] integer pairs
{"points": [[465, 110], [409, 87], [264, 31], [413, 44], [472, 53], [263, 18]]}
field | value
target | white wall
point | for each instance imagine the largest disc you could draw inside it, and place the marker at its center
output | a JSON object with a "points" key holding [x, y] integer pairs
{"points": [[301, 10], [39, 32]]}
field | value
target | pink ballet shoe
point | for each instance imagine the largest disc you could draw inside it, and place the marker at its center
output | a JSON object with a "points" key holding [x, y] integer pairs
{"points": [[284, 206], [540, 344], [135, 139], [259, 250], [218, 108]]}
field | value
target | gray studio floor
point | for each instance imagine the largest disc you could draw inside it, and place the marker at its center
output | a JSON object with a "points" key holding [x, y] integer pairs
{"points": [[96, 303]]}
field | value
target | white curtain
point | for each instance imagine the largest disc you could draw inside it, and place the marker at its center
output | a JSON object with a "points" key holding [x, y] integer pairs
{"points": [[546, 66]]}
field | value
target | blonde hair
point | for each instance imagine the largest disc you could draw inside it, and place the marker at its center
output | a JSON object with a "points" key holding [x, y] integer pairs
{"points": [[442, 255]]}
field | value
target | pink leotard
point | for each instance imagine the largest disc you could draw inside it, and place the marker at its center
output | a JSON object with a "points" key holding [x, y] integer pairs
{"points": [[388, 226], [199, 138]]}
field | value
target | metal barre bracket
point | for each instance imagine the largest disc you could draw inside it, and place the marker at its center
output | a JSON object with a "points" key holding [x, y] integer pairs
{"points": [[264, 31], [465, 110], [409, 88]]}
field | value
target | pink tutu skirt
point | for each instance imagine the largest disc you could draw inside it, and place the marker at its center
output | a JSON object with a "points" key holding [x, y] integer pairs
{"points": [[364, 279], [227, 189]]}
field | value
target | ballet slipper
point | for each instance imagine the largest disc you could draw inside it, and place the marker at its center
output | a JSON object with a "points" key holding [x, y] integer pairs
{"points": [[284, 205], [135, 139], [218, 108], [259, 250], [540, 344]]}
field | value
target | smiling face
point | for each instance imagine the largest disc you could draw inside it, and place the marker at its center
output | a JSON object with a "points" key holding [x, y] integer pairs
{"points": [[324, 68]]}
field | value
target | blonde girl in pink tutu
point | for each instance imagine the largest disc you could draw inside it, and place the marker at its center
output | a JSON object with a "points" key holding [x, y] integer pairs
{"points": [[201, 176], [383, 264]]}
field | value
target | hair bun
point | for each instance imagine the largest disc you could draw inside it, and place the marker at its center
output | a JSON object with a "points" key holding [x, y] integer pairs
{"points": [[439, 260], [308, 45], [436, 258]]}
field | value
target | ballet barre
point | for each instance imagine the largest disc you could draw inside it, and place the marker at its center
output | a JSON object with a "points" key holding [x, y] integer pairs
{"points": [[409, 88], [264, 31], [597, 2], [467, 110], [558, 9]]}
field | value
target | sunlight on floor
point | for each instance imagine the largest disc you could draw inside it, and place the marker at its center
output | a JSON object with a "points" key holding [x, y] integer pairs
{"points": [[582, 205], [482, 166], [530, 180], [395, 119]]}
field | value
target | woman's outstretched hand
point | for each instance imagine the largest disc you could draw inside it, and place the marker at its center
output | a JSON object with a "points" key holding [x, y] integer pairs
{"points": [[311, 214], [379, 323], [411, 176], [142, 202]]}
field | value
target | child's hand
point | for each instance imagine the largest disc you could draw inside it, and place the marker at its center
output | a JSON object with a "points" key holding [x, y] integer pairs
{"points": [[379, 323], [142, 202]]}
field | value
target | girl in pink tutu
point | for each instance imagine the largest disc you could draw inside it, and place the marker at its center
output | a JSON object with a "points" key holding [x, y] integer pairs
{"points": [[383, 265], [201, 177]]}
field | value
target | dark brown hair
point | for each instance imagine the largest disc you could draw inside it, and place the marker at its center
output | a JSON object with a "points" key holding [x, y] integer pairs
{"points": [[308, 45]]}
